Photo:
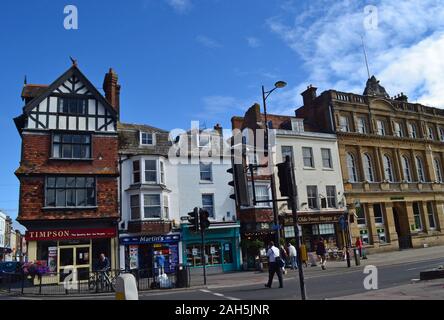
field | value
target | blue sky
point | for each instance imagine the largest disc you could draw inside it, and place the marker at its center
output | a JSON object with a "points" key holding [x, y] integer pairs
{"points": [[184, 60]]}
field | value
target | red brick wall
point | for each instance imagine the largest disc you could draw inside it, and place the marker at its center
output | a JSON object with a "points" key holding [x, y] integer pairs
{"points": [[36, 153], [32, 193]]}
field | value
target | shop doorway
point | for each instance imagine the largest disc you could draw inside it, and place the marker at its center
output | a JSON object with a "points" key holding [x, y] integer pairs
{"points": [[74, 259], [402, 227]]}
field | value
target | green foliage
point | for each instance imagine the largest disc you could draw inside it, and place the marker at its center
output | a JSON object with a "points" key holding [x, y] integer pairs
{"points": [[252, 245]]}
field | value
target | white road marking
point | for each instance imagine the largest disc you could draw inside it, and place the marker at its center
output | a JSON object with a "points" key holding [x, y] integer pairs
{"points": [[219, 294]]}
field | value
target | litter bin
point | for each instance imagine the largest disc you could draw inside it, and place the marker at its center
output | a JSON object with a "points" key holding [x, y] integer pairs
{"points": [[182, 278]]}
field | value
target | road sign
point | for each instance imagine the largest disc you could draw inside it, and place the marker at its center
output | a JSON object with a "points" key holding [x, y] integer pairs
{"points": [[184, 218]]}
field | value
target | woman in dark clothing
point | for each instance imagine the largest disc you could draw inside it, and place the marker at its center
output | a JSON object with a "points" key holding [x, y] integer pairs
{"points": [[322, 253]]}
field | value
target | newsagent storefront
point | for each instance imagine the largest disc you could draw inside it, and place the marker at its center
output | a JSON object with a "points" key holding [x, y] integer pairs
{"points": [[144, 253], [222, 243], [313, 226], [66, 250]]}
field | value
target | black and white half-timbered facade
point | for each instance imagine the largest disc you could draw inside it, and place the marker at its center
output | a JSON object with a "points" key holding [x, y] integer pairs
{"points": [[69, 171]]}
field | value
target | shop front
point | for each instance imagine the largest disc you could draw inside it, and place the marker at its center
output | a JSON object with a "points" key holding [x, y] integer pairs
{"points": [[313, 226], [65, 251], [221, 248], [150, 254]]}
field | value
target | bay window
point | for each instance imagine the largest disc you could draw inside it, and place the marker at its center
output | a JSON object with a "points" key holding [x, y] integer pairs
{"points": [[151, 171], [151, 206]]}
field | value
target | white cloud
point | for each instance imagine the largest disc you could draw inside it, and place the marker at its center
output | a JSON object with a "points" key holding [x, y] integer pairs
{"points": [[404, 50], [208, 42], [253, 42], [179, 6]]}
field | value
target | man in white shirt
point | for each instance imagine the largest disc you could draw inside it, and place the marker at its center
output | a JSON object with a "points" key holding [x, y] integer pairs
{"points": [[273, 265], [293, 256]]}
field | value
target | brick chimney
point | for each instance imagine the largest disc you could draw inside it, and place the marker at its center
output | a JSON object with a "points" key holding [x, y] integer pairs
{"points": [[112, 90], [218, 128], [309, 95]]}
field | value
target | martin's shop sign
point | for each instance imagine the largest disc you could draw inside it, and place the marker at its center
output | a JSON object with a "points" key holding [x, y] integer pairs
{"points": [[314, 218], [150, 239]]}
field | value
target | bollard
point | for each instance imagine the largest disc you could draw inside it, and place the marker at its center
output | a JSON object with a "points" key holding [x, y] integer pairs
{"points": [[126, 287]]}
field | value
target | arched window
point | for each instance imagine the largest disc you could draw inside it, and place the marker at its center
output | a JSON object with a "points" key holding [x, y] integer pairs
{"points": [[406, 169], [438, 171], [351, 166], [413, 130], [388, 168], [420, 168], [368, 168]]}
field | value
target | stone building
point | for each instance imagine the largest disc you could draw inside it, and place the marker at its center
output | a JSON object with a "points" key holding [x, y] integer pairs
{"points": [[392, 155]]}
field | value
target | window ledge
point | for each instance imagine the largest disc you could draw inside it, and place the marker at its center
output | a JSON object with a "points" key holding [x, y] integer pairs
{"points": [[69, 208], [71, 159], [309, 168], [206, 182], [328, 169]]}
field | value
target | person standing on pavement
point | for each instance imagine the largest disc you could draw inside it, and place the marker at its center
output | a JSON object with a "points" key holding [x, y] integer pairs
{"points": [[322, 253], [359, 245], [274, 260], [293, 256], [304, 255]]}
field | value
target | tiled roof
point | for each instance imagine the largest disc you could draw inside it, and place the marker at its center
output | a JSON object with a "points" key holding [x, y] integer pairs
{"points": [[33, 90]]}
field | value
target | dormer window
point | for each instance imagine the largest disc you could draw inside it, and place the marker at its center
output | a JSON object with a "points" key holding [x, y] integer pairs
{"points": [[204, 141], [147, 139], [297, 125]]}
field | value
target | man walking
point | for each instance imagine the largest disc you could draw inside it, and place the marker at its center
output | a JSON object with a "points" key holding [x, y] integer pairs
{"points": [[293, 256], [274, 265]]}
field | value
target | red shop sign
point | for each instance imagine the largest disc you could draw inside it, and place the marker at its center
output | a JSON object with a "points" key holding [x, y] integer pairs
{"points": [[70, 234]]}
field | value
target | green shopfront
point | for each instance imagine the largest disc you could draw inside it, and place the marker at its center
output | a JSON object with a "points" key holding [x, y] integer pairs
{"points": [[222, 251]]}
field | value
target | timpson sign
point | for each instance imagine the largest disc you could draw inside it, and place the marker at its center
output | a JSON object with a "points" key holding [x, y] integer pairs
{"points": [[314, 219], [70, 234]]}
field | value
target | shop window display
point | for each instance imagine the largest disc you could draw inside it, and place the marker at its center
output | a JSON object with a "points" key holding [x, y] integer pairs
{"points": [[212, 254]]}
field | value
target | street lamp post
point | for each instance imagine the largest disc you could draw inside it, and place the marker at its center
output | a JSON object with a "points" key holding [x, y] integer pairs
{"points": [[265, 95]]}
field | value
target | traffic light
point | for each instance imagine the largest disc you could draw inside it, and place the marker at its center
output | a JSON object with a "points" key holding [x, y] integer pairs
{"points": [[204, 219], [240, 185], [194, 220], [285, 178]]}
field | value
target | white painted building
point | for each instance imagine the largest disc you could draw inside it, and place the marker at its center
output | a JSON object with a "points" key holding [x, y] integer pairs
{"points": [[319, 183], [2, 234], [157, 192]]}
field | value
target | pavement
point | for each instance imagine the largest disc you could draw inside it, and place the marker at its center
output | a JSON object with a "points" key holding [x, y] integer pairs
{"points": [[396, 270], [424, 290]]}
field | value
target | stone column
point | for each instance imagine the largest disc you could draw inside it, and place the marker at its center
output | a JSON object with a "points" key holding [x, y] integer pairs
{"points": [[360, 164], [410, 216], [390, 223], [429, 163], [398, 165], [425, 217], [380, 164], [413, 166], [373, 235], [439, 215]]}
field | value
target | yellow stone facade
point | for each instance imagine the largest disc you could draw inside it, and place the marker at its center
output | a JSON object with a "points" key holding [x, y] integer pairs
{"points": [[392, 155]]}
